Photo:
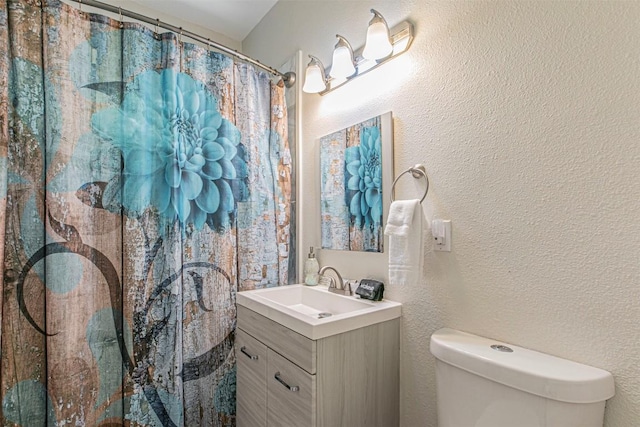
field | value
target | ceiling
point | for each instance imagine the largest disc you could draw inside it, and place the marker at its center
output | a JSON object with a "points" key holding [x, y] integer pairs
{"points": [[232, 18]]}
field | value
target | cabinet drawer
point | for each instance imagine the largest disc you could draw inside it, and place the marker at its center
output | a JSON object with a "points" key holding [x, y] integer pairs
{"points": [[291, 394], [251, 400], [297, 348]]}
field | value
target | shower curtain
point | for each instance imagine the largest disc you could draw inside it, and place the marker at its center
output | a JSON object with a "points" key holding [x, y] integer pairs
{"points": [[143, 182]]}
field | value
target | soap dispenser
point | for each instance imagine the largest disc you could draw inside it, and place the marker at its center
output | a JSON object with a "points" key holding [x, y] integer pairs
{"points": [[311, 268]]}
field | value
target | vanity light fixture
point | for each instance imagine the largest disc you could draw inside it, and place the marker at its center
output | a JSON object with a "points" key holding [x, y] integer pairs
{"points": [[382, 45], [343, 63], [314, 78], [378, 44]]}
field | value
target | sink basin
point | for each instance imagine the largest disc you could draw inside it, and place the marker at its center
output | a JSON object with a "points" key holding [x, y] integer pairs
{"points": [[314, 311]]}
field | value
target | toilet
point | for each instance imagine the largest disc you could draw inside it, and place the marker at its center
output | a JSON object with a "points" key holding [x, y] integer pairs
{"points": [[485, 383]]}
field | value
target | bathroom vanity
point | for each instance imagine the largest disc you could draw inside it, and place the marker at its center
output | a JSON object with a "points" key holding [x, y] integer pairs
{"points": [[346, 374]]}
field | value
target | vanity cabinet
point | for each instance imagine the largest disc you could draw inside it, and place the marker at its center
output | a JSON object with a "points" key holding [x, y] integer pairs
{"points": [[251, 356], [286, 379]]}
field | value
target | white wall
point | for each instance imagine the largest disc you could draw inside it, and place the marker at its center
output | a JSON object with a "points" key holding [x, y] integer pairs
{"points": [[527, 117]]}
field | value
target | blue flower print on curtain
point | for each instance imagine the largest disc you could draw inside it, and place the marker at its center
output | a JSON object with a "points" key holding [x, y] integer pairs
{"points": [[181, 156], [364, 178]]}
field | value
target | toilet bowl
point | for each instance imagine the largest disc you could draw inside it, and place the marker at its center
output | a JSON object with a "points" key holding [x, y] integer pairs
{"points": [[486, 383]]}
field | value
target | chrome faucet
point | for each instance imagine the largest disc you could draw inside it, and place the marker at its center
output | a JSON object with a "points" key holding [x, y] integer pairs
{"points": [[335, 287]]}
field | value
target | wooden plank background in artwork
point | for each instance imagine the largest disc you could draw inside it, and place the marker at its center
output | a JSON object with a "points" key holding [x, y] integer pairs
{"points": [[368, 239], [334, 211], [84, 368], [282, 171], [260, 254], [4, 141], [209, 319], [23, 347]]}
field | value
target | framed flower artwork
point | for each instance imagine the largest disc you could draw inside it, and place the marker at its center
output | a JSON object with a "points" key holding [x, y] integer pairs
{"points": [[356, 168]]}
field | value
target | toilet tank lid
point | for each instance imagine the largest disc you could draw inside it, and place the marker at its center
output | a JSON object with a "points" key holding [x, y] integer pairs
{"points": [[523, 369]]}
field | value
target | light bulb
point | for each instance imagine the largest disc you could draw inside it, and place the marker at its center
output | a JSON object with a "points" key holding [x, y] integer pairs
{"points": [[342, 65], [378, 44], [314, 79]]}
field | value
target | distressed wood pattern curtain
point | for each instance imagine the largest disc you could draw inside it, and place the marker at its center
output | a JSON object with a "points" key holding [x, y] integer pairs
{"points": [[143, 182]]}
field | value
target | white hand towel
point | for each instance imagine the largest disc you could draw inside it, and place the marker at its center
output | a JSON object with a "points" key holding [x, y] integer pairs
{"points": [[404, 228], [400, 217]]}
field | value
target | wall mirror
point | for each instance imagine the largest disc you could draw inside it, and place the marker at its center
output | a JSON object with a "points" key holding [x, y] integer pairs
{"points": [[356, 167]]}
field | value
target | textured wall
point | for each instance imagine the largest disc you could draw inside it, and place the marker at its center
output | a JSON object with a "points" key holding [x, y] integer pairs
{"points": [[526, 116]]}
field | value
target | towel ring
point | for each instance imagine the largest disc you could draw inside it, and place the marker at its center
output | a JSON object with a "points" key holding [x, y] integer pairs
{"points": [[418, 171]]}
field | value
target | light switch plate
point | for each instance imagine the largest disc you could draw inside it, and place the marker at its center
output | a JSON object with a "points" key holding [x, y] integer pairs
{"points": [[443, 244]]}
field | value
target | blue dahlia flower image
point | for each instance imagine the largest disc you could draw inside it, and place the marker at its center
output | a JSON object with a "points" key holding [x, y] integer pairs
{"points": [[181, 156], [364, 178]]}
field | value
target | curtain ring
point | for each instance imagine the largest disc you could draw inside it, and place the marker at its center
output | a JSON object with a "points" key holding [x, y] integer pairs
{"points": [[157, 31], [120, 17], [208, 45], [180, 36], [80, 5]]}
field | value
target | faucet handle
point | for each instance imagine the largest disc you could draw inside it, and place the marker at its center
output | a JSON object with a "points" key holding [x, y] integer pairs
{"points": [[326, 281], [348, 286], [345, 290]]}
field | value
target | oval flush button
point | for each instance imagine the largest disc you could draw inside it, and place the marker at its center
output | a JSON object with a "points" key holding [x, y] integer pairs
{"points": [[502, 348]]}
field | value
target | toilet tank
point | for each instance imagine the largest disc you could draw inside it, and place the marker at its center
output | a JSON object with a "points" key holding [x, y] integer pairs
{"points": [[485, 383]]}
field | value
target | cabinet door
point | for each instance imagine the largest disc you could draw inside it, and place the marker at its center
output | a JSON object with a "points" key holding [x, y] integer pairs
{"points": [[251, 397], [291, 394]]}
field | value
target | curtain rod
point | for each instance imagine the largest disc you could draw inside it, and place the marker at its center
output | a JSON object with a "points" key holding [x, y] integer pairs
{"points": [[288, 77]]}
